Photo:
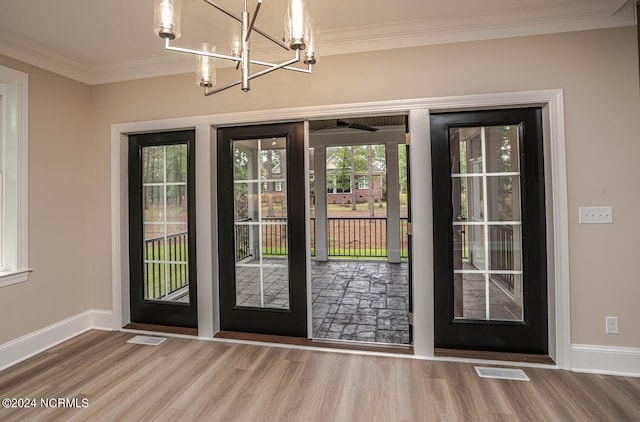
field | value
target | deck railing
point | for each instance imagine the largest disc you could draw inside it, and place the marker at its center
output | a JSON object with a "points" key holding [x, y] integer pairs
{"points": [[243, 246], [173, 267], [358, 237], [404, 238], [274, 237], [502, 254], [275, 240]]}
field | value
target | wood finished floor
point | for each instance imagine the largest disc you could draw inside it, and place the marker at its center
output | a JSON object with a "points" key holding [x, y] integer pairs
{"points": [[184, 379]]}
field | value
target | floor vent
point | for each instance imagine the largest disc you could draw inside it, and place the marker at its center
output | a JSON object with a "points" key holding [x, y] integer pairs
{"points": [[502, 373], [149, 341]]}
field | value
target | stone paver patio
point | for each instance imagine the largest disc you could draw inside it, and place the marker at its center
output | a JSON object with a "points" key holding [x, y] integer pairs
{"points": [[361, 300]]}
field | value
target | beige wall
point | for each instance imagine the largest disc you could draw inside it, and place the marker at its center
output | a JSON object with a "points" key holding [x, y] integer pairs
{"points": [[59, 206], [597, 69]]}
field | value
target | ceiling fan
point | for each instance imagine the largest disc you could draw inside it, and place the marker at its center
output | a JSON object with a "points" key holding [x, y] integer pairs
{"points": [[350, 125], [339, 123]]}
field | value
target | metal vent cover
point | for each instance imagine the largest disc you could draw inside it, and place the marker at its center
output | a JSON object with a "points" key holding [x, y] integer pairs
{"points": [[147, 340], [502, 373]]}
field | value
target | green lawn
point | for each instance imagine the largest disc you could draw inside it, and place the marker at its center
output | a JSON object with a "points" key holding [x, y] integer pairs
{"points": [[340, 253]]}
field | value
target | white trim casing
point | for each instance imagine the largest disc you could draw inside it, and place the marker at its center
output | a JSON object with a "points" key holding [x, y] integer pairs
{"points": [[15, 213], [119, 229], [3, 118], [213, 219], [203, 230], [420, 149], [422, 236], [560, 223], [307, 230]]}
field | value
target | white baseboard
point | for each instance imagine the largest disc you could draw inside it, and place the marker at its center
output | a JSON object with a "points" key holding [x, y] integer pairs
{"points": [[101, 320], [624, 361], [31, 344]]}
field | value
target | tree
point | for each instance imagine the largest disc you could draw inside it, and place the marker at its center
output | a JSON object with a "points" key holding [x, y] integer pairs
{"points": [[269, 176], [340, 175], [353, 178], [402, 168], [240, 190], [282, 157], [370, 179]]}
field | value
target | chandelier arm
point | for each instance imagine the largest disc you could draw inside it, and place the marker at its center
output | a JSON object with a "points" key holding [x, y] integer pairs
{"points": [[272, 67], [296, 69], [272, 39], [239, 19], [223, 10], [208, 92], [253, 19], [169, 47], [277, 66]]}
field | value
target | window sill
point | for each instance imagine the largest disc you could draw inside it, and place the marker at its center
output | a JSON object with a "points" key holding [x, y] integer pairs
{"points": [[8, 278]]}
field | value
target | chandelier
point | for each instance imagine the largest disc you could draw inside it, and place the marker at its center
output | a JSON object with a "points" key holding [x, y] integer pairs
{"points": [[300, 38]]}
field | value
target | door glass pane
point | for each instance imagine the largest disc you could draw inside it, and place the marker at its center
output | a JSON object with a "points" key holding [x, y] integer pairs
{"points": [[502, 306], [505, 246], [261, 237], [164, 198], [468, 198], [466, 151], [487, 253], [153, 164], [502, 149], [153, 204], [176, 200], [176, 163], [505, 192]]}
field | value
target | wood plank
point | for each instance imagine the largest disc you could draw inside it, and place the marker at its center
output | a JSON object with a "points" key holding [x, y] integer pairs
{"points": [[190, 379]]}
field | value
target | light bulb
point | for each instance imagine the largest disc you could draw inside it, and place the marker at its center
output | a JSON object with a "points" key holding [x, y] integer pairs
{"points": [[312, 51], [206, 68], [166, 15], [236, 46], [296, 24], [167, 18]]}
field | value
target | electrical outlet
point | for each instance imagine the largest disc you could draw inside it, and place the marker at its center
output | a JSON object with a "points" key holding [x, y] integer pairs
{"points": [[611, 324], [596, 215]]}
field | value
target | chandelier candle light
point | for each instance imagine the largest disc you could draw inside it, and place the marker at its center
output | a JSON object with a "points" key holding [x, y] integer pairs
{"points": [[299, 37]]}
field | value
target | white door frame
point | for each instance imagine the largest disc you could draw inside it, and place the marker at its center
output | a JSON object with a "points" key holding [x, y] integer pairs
{"points": [[418, 111]]}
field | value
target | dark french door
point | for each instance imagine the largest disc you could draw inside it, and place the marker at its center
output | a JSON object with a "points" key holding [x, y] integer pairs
{"points": [[489, 231], [162, 229], [261, 226]]}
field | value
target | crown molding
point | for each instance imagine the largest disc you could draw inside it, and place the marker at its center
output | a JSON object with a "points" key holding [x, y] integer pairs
{"points": [[43, 58], [525, 21], [576, 15]]}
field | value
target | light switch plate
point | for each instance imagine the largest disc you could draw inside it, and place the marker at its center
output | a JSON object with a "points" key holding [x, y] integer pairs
{"points": [[596, 215], [612, 325]]}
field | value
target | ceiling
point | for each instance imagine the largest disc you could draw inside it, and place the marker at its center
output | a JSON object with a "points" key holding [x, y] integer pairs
{"points": [[103, 41]]}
